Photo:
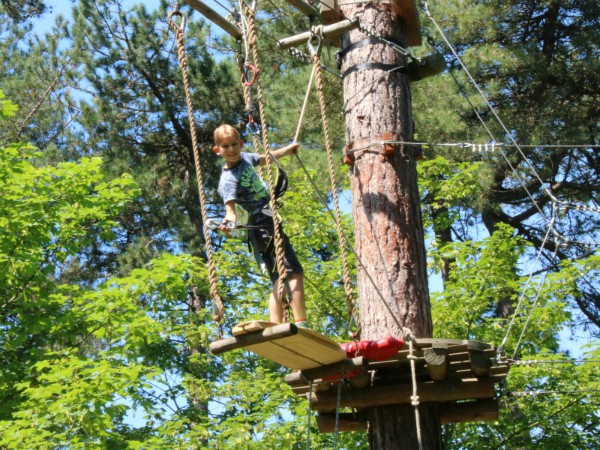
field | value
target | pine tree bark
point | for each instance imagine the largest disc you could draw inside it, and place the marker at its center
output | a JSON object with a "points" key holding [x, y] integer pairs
{"points": [[387, 214]]}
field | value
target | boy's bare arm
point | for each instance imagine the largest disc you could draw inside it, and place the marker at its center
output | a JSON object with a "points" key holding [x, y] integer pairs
{"points": [[230, 215], [280, 153]]}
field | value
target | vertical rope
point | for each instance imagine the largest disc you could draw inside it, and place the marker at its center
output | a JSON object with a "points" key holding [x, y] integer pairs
{"points": [[337, 413], [414, 399], [334, 187], [212, 272], [310, 388], [279, 251], [248, 101]]}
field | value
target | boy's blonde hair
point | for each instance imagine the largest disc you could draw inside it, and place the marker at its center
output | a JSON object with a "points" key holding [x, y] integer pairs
{"points": [[225, 130]]}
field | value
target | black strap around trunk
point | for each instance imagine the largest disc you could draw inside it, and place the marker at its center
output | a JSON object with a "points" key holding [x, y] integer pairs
{"points": [[375, 66]]}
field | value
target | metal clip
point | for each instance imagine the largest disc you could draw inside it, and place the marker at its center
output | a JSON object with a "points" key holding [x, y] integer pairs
{"points": [[252, 126], [315, 33], [254, 70]]}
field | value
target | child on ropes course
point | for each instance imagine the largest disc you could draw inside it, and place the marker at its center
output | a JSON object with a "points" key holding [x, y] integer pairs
{"points": [[240, 183]]}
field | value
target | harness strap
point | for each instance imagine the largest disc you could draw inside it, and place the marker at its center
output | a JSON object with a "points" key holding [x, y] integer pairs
{"points": [[339, 56], [375, 66]]}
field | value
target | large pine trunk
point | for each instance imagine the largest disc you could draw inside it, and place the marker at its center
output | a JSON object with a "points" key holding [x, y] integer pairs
{"points": [[387, 214]]}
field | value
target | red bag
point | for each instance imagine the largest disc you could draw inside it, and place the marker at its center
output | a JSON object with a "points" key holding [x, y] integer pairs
{"points": [[374, 350]]}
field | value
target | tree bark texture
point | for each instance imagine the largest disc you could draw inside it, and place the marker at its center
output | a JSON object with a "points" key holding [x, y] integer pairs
{"points": [[386, 209]]}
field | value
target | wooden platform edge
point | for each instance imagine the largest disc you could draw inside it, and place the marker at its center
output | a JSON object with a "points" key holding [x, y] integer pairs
{"points": [[401, 394], [458, 412], [256, 337]]}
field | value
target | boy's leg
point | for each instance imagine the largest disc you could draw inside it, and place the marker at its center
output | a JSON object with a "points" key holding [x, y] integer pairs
{"points": [[263, 239], [275, 306], [276, 312], [296, 282]]}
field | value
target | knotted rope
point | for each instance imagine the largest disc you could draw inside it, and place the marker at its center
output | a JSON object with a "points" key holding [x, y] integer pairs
{"points": [[277, 234], [212, 271], [414, 399], [316, 60]]}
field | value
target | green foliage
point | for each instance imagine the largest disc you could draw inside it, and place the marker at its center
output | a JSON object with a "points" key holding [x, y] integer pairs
{"points": [[532, 63], [104, 326], [7, 108]]}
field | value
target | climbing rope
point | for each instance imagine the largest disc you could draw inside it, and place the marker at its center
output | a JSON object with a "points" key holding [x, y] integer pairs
{"points": [[414, 399], [338, 401], [277, 232], [315, 53], [247, 85], [212, 271], [309, 413]]}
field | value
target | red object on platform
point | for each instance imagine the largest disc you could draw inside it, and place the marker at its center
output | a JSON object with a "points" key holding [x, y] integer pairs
{"points": [[374, 350]]}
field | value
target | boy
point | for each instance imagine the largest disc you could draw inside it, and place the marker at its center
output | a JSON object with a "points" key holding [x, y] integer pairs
{"points": [[240, 183]]}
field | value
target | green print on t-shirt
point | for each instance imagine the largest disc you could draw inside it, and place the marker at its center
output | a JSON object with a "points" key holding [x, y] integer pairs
{"points": [[252, 182]]}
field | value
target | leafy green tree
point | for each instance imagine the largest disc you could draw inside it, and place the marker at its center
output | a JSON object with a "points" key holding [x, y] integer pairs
{"points": [[22, 10], [146, 330], [534, 64]]}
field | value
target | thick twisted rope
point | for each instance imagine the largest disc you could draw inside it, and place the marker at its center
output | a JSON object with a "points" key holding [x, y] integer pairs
{"points": [[277, 234], [414, 399], [334, 187], [212, 271], [248, 101]]}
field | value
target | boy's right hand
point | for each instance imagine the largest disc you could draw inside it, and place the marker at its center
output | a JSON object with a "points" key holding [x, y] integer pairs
{"points": [[227, 226]]}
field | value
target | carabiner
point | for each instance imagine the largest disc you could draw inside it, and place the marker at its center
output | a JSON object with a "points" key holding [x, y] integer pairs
{"points": [[178, 28], [254, 72], [253, 127], [315, 32]]}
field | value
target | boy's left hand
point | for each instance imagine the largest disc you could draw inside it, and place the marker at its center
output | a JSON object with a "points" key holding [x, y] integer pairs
{"points": [[293, 148]]}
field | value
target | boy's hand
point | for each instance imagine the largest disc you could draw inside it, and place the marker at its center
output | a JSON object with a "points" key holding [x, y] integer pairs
{"points": [[227, 226], [293, 148]]}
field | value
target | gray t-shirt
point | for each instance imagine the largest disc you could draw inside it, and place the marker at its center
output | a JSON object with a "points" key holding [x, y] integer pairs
{"points": [[243, 184]]}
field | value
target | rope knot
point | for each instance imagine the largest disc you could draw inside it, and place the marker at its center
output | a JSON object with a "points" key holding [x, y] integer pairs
{"points": [[408, 335]]}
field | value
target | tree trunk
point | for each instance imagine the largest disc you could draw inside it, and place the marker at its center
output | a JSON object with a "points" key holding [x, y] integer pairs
{"points": [[387, 214]]}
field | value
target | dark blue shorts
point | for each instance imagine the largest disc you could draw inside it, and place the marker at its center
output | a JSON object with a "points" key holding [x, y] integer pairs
{"points": [[264, 242]]}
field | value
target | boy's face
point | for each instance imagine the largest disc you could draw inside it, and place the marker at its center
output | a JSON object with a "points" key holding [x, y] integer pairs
{"points": [[230, 147]]}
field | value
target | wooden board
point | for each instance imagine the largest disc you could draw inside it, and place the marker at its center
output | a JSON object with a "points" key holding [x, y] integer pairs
{"points": [[303, 349], [252, 325]]}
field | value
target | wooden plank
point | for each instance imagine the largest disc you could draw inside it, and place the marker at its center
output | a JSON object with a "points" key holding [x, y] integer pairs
{"points": [[214, 17], [235, 342], [250, 326], [474, 345], [346, 422], [495, 372], [407, 9], [475, 411], [352, 367], [401, 394], [471, 411], [428, 66], [464, 355], [436, 358], [480, 363], [285, 344], [327, 31], [304, 8], [330, 11]]}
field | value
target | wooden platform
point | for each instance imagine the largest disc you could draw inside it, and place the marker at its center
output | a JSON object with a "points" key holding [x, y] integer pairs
{"points": [[285, 344], [460, 376], [406, 9]]}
